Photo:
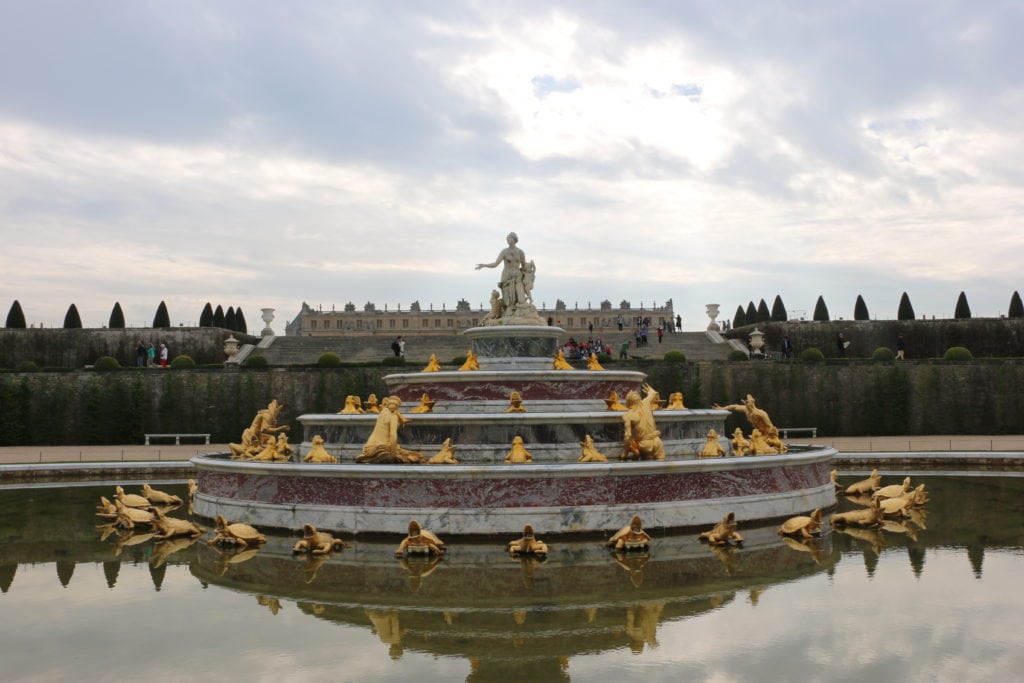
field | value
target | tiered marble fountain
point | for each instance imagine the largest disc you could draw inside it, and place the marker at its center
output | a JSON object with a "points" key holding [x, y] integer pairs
{"points": [[483, 495]]}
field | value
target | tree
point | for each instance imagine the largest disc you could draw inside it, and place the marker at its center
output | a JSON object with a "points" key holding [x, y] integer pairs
{"points": [[116, 317], [963, 309], [72, 321], [162, 318], [15, 317], [751, 313], [206, 317], [860, 309], [821, 310], [763, 315], [1016, 307], [229, 318], [738, 320], [218, 317], [240, 325], [779, 310], [905, 311]]}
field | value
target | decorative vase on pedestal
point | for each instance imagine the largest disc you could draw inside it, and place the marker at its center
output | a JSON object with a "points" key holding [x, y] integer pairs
{"points": [[713, 313], [268, 317]]}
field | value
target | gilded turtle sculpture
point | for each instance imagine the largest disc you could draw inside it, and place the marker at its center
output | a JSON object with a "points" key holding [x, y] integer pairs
{"points": [[804, 526], [238, 533], [723, 532], [896, 507], [132, 500], [631, 536], [865, 485], [893, 490], [529, 544], [130, 518], [169, 527], [106, 509], [317, 542], [419, 542], [157, 497]]}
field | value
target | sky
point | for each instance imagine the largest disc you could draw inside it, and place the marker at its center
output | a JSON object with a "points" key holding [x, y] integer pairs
{"points": [[264, 154]]}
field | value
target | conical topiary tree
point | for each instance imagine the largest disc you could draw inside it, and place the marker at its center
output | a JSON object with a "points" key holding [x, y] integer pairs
{"points": [[218, 316], [905, 311], [116, 317], [738, 320], [963, 309], [206, 317], [821, 310], [751, 313], [860, 309], [72, 321], [240, 325], [15, 317], [162, 318], [1016, 307], [229, 318], [763, 315], [779, 310]]}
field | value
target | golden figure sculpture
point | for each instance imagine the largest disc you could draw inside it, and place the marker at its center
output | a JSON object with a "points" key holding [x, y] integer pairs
{"points": [[759, 419], [472, 363], [518, 454], [254, 437], [592, 362], [613, 401], [372, 405], [675, 401], [445, 456], [630, 537], [759, 444], [351, 406], [589, 452], [283, 447], [317, 542], [865, 517], [723, 532], [893, 490], [804, 526], [868, 485], [426, 405], [269, 453], [131, 517], [641, 438], [740, 446], [560, 363], [382, 446], [515, 403], [106, 509], [317, 453], [131, 500], [433, 365], [918, 497], [529, 544], [420, 542], [896, 507], [169, 527], [712, 447], [236, 534], [157, 497]]}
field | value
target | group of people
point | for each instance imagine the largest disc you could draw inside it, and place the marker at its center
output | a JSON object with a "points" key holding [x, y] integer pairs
{"points": [[147, 355], [583, 350], [398, 347]]}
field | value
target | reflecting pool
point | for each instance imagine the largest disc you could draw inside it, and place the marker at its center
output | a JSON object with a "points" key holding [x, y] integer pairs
{"points": [[938, 599]]}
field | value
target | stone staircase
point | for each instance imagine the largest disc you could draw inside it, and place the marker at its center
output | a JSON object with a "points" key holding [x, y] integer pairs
{"points": [[366, 348]]}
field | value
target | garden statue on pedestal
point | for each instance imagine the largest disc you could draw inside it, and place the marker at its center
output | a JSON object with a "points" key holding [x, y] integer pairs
{"points": [[516, 283]]}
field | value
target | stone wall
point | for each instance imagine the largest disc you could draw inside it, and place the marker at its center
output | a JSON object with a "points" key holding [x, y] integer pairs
{"points": [[858, 398]]}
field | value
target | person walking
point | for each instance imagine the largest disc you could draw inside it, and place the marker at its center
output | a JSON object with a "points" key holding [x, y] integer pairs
{"points": [[901, 348], [841, 345], [396, 348], [140, 355], [660, 334], [787, 347], [401, 347], [164, 353], [624, 350], [150, 355]]}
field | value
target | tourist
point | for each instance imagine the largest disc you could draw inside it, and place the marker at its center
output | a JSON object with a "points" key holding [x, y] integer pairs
{"points": [[661, 333], [841, 345], [164, 353], [620, 321], [901, 347], [140, 355], [150, 355], [396, 348], [401, 347], [787, 347], [679, 322]]}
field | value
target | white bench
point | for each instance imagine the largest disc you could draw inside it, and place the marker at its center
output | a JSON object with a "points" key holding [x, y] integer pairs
{"points": [[785, 432], [177, 437]]}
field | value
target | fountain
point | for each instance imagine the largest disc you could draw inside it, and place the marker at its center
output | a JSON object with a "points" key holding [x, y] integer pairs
{"points": [[653, 468]]}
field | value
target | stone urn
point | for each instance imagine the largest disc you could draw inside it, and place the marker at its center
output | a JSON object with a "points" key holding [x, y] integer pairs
{"points": [[757, 342], [231, 346], [268, 317], [713, 313]]}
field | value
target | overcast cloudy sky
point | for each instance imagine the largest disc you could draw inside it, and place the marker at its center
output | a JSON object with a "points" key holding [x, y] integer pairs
{"points": [[262, 154]]}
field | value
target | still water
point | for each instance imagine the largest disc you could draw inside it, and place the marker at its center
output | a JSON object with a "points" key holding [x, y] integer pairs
{"points": [[938, 600]]}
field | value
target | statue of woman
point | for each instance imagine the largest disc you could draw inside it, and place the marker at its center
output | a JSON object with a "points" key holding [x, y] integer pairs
{"points": [[513, 292]]}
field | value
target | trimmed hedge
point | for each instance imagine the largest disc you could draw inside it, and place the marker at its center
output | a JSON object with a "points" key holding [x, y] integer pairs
{"points": [[106, 363], [957, 353], [883, 353], [675, 356], [256, 361], [812, 355], [182, 362], [328, 360], [737, 355]]}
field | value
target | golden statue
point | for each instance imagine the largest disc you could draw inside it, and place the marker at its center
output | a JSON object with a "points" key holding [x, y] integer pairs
{"points": [[592, 362], [352, 406], [675, 401], [169, 527], [270, 453], [372, 405], [317, 542], [868, 485], [131, 500], [896, 507], [589, 452], [865, 517], [419, 542], [129, 517], [712, 448], [560, 363], [471, 362], [613, 401], [630, 537], [518, 454], [157, 497], [723, 532], [236, 534], [433, 365], [759, 420], [740, 446], [106, 509], [893, 490], [528, 544], [317, 453], [382, 446], [254, 436], [426, 405], [515, 403], [283, 447], [804, 526], [759, 444], [445, 456], [641, 439]]}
